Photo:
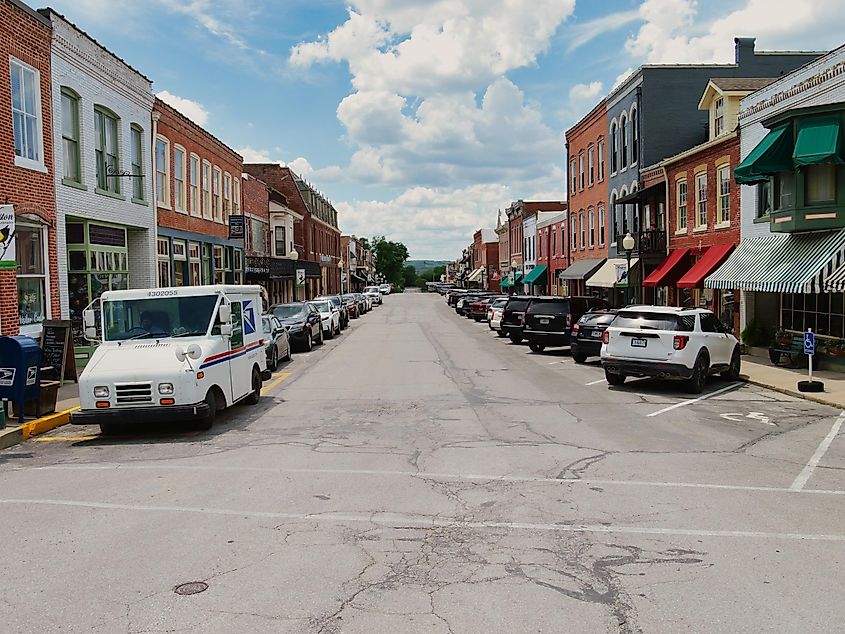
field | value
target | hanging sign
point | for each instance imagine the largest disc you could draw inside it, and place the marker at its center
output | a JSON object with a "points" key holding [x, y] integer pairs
{"points": [[300, 278], [7, 238], [622, 274], [237, 227]]}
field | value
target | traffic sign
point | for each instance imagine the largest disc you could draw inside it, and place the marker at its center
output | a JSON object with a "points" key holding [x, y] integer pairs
{"points": [[809, 343]]}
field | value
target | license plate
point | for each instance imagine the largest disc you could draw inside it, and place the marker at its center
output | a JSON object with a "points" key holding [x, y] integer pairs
{"points": [[544, 321], [595, 334], [639, 343]]}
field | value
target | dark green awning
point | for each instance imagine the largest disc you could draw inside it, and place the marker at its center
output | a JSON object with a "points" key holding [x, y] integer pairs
{"points": [[819, 141], [533, 276], [508, 281], [772, 155]]}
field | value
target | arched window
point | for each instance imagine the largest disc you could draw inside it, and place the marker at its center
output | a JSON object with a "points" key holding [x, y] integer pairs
{"points": [[613, 223], [635, 134], [614, 148], [623, 141]]}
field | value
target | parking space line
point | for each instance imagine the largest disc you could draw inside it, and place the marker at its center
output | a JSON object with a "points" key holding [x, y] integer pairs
{"points": [[808, 469], [690, 401], [596, 382], [282, 377]]}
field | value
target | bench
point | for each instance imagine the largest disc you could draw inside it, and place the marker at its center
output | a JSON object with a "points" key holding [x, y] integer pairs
{"points": [[793, 351]]}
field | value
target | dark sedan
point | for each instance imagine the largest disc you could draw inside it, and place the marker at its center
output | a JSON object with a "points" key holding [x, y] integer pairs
{"points": [[352, 306], [586, 334], [302, 322]]}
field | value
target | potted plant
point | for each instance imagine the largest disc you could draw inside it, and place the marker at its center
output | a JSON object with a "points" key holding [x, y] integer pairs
{"points": [[836, 348], [783, 338]]}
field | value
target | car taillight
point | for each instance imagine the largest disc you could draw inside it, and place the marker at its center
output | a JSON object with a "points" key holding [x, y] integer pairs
{"points": [[568, 321], [605, 337], [576, 328], [680, 342]]}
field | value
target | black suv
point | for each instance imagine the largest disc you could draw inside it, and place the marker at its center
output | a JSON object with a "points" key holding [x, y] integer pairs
{"points": [[512, 316], [549, 320], [586, 334]]}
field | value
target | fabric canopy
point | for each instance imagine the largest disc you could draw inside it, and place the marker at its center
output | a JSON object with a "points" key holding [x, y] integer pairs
{"points": [[581, 269], [819, 141], [534, 275], [606, 276], [773, 154], [507, 281], [475, 276], [836, 282], [782, 263], [669, 270], [708, 262]]}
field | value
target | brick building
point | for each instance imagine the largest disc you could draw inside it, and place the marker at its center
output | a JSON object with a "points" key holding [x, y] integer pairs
{"points": [[485, 260], [316, 237], [586, 151], [552, 251], [197, 188], [29, 283], [504, 234]]}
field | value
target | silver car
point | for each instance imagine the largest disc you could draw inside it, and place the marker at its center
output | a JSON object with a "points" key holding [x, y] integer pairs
{"points": [[276, 341]]}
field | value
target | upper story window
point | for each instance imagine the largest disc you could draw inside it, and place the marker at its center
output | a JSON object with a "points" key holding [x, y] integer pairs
{"points": [[581, 171], [236, 196], [724, 176], [573, 176], [718, 116], [280, 241], [179, 177], [136, 142], [194, 175], [216, 197], [591, 165], [764, 199], [574, 232], [206, 190], [554, 241], [602, 222], [614, 148], [26, 115], [623, 141], [600, 151], [71, 159], [592, 214], [681, 203], [162, 171], [701, 199], [635, 134], [106, 150], [227, 195]]}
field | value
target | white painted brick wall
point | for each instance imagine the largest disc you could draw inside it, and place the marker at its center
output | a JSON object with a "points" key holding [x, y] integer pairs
{"points": [[101, 79]]}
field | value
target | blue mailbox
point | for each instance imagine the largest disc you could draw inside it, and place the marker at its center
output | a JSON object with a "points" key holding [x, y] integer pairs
{"points": [[20, 372]]}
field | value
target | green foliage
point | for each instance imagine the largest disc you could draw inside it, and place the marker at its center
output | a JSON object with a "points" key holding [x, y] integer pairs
{"points": [[390, 259], [756, 334], [409, 276], [365, 244]]}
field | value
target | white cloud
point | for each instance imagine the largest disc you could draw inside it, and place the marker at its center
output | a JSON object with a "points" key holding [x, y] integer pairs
{"points": [[585, 92], [252, 155], [585, 32], [194, 110], [621, 77]]}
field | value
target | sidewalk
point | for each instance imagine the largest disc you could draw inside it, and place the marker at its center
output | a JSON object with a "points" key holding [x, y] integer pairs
{"points": [[757, 369], [66, 401]]}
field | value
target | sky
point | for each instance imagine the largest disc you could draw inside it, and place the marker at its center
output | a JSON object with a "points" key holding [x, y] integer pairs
{"points": [[421, 119]]}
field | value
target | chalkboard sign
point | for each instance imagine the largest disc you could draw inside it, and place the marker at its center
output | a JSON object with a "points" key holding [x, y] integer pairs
{"points": [[58, 350]]}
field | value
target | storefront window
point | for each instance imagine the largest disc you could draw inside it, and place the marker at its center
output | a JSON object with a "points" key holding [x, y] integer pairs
{"points": [[219, 265], [29, 245], [180, 263], [824, 313], [194, 262], [820, 184]]}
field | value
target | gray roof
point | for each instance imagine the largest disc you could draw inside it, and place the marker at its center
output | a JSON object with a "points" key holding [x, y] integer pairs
{"points": [[581, 269], [742, 83]]}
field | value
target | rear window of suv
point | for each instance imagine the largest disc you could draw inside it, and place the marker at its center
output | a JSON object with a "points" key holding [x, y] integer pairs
{"points": [[593, 319], [517, 304], [548, 307], [499, 303], [654, 321]]}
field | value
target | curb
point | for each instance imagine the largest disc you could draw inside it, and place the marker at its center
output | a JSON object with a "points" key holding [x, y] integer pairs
{"points": [[807, 396], [16, 435]]}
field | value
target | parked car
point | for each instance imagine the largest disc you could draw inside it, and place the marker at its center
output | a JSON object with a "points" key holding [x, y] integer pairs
{"points": [[478, 309], [385, 288], [687, 344], [276, 341], [462, 307], [453, 295], [587, 333], [302, 322], [352, 306], [494, 315], [513, 316], [549, 320], [338, 302], [363, 303], [329, 317], [374, 293]]}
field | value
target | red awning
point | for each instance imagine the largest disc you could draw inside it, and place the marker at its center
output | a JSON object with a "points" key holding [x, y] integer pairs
{"points": [[713, 257], [669, 270]]}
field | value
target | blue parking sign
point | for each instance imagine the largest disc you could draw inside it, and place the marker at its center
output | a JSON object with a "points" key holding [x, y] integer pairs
{"points": [[809, 343]]}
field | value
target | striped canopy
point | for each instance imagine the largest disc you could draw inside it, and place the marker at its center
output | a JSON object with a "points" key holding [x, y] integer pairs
{"points": [[782, 263], [836, 282]]}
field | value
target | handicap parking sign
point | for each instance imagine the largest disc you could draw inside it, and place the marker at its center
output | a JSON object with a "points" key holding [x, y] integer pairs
{"points": [[809, 343]]}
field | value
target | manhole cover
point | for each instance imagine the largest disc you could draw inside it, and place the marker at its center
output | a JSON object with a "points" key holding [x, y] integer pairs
{"points": [[192, 587]]}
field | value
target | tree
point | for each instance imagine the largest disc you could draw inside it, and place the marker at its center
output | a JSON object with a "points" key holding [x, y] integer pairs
{"points": [[433, 275], [365, 244], [390, 259], [409, 276]]}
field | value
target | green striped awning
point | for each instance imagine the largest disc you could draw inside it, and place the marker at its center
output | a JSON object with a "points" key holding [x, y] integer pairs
{"points": [[782, 263], [836, 282]]}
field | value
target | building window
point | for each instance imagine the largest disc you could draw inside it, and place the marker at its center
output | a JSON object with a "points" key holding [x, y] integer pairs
{"points": [[106, 151], [635, 134], [614, 148], [281, 249], [216, 198], [591, 165], [238, 266], [26, 115], [236, 195], [554, 241], [784, 190], [163, 251], [219, 266], [701, 199], [162, 172], [227, 195], [718, 116], [600, 151], [592, 214], [764, 199], [195, 262], [601, 226], [206, 190], [613, 221], [820, 184], [31, 275], [180, 263], [573, 176], [581, 171], [623, 141], [725, 194], [179, 178], [574, 233], [195, 185], [823, 312], [71, 168], [583, 228], [681, 202], [137, 161]]}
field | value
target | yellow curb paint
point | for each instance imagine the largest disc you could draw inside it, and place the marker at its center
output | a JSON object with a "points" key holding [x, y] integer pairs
{"points": [[282, 377], [62, 438], [46, 423]]}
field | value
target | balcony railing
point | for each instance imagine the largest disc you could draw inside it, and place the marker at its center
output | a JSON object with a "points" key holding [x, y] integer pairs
{"points": [[651, 241]]}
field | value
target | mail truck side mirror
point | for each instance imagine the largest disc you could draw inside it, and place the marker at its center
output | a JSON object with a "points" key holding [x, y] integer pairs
{"points": [[90, 319], [225, 314], [226, 330]]}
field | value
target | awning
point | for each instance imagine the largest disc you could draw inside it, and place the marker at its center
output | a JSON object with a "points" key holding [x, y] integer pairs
{"points": [[836, 282], [607, 276], [782, 263], [581, 269], [709, 261], [628, 199], [773, 154], [475, 276], [669, 270], [819, 141], [506, 282], [534, 275]]}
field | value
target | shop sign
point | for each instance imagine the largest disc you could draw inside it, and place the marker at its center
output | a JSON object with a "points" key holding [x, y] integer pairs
{"points": [[7, 238], [237, 227], [300, 278], [622, 274]]}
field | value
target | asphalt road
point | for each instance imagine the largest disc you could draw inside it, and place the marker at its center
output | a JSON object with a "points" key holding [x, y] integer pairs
{"points": [[418, 474]]}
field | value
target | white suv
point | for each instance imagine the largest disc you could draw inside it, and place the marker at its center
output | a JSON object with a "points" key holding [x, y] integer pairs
{"points": [[373, 293], [668, 343]]}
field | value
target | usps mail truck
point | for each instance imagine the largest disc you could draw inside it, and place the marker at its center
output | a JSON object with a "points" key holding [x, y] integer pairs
{"points": [[171, 354]]}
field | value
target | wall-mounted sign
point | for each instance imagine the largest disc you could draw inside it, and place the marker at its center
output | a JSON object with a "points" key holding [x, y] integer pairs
{"points": [[300, 278], [7, 238], [237, 227]]}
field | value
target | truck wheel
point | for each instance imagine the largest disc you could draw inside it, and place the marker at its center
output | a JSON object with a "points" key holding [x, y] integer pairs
{"points": [[536, 347], [614, 379], [108, 429], [205, 424], [255, 395]]}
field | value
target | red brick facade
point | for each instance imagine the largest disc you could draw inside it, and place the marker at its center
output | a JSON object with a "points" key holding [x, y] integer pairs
{"points": [[25, 36], [552, 253]]}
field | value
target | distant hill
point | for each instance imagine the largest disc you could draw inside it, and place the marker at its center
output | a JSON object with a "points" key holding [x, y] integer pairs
{"points": [[423, 266]]}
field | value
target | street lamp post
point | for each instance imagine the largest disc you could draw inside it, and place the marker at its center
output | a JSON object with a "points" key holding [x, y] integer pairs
{"points": [[340, 266], [514, 264], [628, 245], [294, 255]]}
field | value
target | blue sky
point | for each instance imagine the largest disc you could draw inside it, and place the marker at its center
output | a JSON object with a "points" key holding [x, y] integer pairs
{"points": [[420, 119]]}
